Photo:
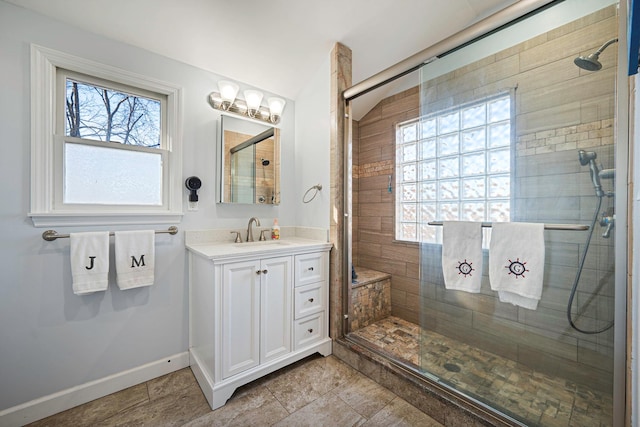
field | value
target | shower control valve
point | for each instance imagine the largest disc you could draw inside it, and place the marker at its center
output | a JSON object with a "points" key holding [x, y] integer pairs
{"points": [[608, 220]]}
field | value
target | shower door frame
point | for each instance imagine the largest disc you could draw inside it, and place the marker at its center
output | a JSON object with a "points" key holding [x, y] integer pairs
{"points": [[516, 12]]}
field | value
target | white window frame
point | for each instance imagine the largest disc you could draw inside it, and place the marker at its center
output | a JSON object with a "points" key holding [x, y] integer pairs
{"points": [[46, 163]]}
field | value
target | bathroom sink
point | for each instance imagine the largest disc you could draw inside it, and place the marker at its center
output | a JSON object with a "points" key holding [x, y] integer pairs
{"points": [[217, 250], [264, 243]]}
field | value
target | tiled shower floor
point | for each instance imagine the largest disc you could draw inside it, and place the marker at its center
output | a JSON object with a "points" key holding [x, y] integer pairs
{"points": [[515, 389]]}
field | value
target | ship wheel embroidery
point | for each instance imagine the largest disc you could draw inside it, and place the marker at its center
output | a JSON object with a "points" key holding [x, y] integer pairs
{"points": [[517, 268], [465, 268]]}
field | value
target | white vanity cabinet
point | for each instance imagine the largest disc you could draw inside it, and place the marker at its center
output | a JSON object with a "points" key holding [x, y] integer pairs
{"points": [[256, 313], [252, 312]]}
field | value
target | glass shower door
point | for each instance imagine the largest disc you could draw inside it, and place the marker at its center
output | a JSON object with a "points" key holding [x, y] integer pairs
{"points": [[512, 129]]}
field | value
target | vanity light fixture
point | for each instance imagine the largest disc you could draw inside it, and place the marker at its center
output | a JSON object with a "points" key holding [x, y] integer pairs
{"points": [[251, 106]]}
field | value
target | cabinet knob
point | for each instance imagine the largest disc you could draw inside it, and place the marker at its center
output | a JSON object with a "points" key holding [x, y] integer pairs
{"points": [[310, 331], [258, 272], [310, 299], [310, 268], [264, 271]]}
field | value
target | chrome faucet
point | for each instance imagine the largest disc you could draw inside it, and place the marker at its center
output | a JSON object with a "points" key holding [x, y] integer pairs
{"points": [[250, 230]]}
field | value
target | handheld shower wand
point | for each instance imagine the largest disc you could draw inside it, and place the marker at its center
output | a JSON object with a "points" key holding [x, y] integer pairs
{"points": [[589, 158], [608, 220]]}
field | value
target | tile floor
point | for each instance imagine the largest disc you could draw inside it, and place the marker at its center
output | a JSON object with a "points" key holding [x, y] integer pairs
{"points": [[535, 398], [314, 392]]}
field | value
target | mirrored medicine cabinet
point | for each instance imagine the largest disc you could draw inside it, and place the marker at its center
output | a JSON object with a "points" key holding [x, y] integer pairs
{"points": [[249, 162]]}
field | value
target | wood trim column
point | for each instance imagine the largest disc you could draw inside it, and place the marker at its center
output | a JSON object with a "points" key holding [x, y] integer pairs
{"points": [[340, 80]]}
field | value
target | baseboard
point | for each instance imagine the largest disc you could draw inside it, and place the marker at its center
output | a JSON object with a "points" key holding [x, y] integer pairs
{"points": [[66, 399]]}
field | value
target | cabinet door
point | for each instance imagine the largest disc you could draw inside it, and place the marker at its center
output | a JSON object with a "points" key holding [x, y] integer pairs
{"points": [[240, 317], [276, 307]]}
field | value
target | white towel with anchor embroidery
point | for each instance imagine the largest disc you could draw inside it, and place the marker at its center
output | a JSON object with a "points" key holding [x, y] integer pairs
{"points": [[89, 253], [516, 262], [462, 255], [135, 258]]}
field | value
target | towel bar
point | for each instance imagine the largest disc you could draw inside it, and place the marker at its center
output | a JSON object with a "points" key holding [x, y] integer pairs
{"points": [[564, 227], [51, 235]]}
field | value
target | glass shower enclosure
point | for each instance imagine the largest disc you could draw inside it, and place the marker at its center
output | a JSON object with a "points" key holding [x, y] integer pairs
{"points": [[515, 127]]}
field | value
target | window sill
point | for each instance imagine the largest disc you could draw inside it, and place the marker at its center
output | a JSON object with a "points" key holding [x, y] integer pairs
{"points": [[94, 218]]}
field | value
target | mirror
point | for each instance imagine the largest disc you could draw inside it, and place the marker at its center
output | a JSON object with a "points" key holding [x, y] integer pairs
{"points": [[249, 166]]}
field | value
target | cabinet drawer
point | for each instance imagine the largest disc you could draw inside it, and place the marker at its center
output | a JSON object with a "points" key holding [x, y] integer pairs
{"points": [[309, 299], [310, 268], [309, 330]]}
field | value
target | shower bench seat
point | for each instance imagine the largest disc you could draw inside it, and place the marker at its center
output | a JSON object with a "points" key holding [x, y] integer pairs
{"points": [[370, 297]]}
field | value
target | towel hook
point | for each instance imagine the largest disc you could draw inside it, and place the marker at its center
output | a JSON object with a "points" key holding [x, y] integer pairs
{"points": [[316, 187]]}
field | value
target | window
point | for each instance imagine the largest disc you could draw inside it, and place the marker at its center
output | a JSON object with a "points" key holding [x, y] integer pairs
{"points": [[104, 144], [454, 165]]}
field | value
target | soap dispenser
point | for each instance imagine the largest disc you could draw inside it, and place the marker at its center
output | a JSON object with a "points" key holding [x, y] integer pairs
{"points": [[275, 230]]}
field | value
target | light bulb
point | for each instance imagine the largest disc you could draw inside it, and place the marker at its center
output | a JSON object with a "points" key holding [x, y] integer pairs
{"points": [[253, 98], [228, 92], [276, 106]]}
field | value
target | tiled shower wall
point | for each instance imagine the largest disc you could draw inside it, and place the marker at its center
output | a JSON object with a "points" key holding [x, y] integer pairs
{"points": [[559, 110]]}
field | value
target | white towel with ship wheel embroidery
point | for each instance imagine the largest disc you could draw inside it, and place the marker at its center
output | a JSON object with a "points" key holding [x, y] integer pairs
{"points": [[135, 258], [89, 253], [462, 255], [516, 262]]}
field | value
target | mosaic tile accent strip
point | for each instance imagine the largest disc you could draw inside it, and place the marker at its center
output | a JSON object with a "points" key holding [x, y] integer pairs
{"points": [[384, 167], [592, 134], [517, 390]]}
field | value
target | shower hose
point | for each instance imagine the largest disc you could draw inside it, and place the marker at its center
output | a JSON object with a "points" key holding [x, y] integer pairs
{"points": [[579, 272]]}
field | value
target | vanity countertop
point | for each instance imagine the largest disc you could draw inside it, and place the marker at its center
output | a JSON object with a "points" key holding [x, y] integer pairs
{"points": [[227, 250]]}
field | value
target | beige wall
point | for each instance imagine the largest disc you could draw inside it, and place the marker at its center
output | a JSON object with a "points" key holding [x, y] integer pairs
{"points": [[559, 110]]}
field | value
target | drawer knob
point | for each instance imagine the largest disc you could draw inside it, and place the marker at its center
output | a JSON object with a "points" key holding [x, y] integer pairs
{"points": [[310, 268], [310, 330], [310, 299]]}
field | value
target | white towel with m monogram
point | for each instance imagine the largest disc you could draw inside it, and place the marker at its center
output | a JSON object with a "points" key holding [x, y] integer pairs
{"points": [[135, 258]]}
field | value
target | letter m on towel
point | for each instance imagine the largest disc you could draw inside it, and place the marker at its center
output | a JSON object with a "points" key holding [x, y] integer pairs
{"points": [[137, 263]]}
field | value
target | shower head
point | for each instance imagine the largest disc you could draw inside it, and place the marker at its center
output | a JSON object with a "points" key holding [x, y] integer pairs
{"points": [[590, 62], [265, 162], [589, 158]]}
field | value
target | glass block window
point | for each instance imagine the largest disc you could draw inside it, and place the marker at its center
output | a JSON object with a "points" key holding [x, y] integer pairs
{"points": [[454, 165]]}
